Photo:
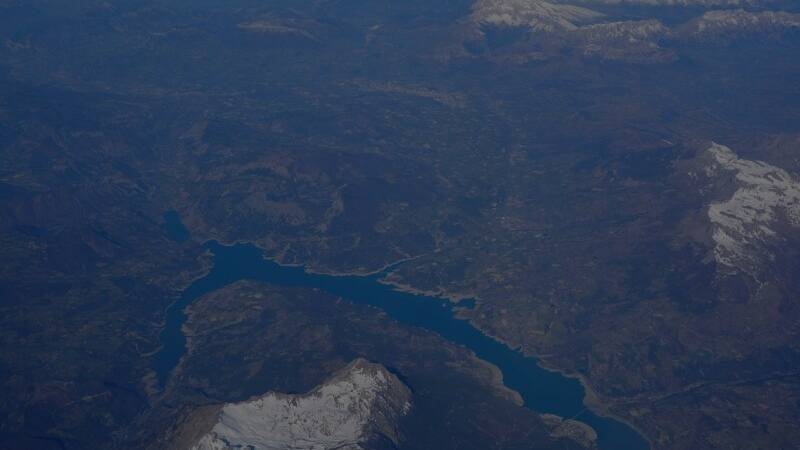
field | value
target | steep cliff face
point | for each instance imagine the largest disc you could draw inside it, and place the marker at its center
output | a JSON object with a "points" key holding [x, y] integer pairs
{"points": [[361, 403]]}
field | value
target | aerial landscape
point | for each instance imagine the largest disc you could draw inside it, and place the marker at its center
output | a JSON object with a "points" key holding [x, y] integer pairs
{"points": [[400, 224]]}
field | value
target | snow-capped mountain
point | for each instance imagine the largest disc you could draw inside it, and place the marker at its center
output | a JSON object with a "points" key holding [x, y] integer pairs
{"points": [[535, 14], [746, 225], [360, 402], [596, 32], [730, 23]]}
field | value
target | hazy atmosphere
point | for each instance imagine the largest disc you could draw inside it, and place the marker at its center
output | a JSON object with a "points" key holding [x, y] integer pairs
{"points": [[400, 224]]}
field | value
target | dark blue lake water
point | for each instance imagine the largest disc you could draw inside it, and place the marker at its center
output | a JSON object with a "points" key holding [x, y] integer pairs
{"points": [[542, 390], [174, 228]]}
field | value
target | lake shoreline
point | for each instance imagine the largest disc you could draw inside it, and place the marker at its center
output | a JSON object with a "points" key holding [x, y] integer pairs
{"points": [[589, 399]]}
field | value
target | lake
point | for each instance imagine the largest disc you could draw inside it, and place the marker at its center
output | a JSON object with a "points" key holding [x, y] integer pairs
{"points": [[542, 390]]}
